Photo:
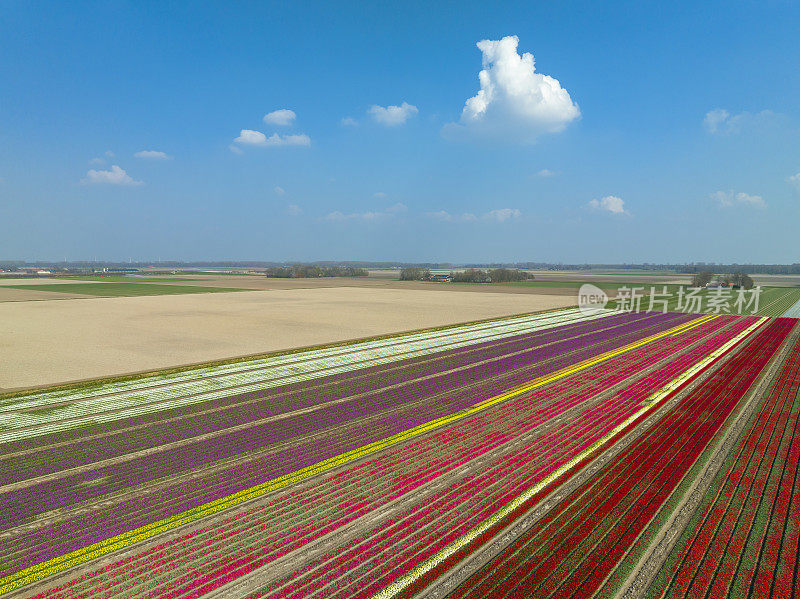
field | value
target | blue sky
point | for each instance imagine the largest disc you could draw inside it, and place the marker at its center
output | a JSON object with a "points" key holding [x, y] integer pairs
{"points": [[666, 132]]}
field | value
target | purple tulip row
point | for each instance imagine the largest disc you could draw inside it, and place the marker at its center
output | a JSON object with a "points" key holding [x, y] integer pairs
{"points": [[152, 430]]}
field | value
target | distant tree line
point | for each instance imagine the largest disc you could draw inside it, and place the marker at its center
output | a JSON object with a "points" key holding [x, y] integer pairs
{"points": [[495, 275], [415, 273], [765, 269], [307, 271], [470, 275]]}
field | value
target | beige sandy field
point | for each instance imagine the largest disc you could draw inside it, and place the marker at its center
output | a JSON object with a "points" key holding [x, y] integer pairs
{"points": [[35, 281], [24, 295], [47, 342]]}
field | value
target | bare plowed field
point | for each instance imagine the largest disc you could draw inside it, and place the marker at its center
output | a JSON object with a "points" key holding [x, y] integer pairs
{"points": [[56, 341]]}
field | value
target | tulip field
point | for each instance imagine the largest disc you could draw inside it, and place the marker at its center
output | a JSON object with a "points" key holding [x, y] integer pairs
{"points": [[556, 454]]}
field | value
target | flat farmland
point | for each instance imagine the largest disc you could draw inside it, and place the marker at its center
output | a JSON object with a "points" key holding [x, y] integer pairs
{"points": [[553, 454], [10, 294], [49, 342], [120, 289]]}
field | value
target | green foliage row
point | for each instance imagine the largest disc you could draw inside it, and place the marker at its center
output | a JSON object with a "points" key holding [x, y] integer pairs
{"points": [[307, 271], [496, 275]]}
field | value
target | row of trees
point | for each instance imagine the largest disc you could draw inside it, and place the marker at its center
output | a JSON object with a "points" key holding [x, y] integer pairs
{"points": [[415, 273], [306, 271], [737, 280], [766, 269], [495, 275], [470, 275]]}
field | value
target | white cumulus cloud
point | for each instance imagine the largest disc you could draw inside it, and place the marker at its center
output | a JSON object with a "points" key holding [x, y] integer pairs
{"points": [[546, 173], [282, 118], [248, 137], [152, 154], [514, 103], [728, 199], [348, 121], [795, 180], [612, 204], [114, 176], [392, 116]]}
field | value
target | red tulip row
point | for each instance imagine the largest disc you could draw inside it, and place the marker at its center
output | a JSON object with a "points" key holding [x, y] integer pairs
{"points": [[745, 541], [572, 550]]}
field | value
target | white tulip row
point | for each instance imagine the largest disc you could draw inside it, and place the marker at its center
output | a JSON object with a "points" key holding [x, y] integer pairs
{"points": [[115, 401]]}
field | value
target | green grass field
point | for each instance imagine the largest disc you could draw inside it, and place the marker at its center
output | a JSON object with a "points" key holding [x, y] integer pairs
{"points": [[605, 285], [123, 289], [774, 301], [127, 279]]}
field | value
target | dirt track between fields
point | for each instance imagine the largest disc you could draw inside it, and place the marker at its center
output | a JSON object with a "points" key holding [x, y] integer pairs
{"points": [[49, 342]]}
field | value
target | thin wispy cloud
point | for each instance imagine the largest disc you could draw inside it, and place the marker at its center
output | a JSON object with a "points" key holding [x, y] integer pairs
{"points": [[499, 215], [397, 208], [293, 210], [279, 190], [730, 199], [514, 103], [152, 155], [502, 215], [446, 217], [369, 216], [721, 122], [348, 121]]}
